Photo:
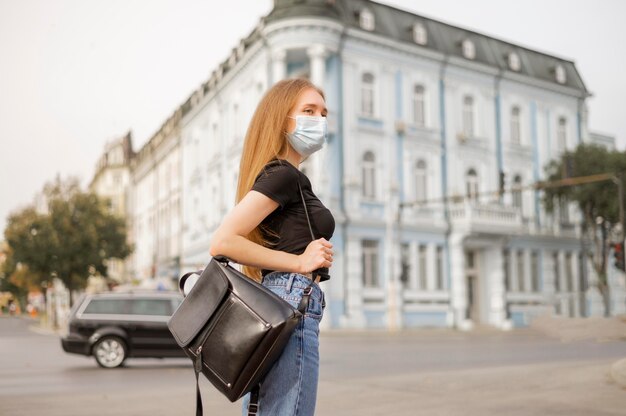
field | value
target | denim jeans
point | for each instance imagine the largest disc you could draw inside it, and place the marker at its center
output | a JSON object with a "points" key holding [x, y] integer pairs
{"points": [[290, 387]]}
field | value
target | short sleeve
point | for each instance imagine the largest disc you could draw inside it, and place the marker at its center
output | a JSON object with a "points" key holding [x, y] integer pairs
{"points": [[277, 181]]}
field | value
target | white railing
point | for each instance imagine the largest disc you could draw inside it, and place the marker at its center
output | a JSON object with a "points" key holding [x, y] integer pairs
{"points": [[486, 213]]}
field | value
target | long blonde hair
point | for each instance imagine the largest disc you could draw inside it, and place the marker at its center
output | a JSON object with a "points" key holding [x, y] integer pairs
{"points": [[266, 140]]}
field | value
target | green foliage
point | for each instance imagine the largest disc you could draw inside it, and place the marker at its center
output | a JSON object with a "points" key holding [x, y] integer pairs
{"points": [[594, 199], [598, 201], [75, 235]]}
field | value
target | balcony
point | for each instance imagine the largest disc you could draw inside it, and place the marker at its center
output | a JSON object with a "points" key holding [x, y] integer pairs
{"points": [[486, 218]]}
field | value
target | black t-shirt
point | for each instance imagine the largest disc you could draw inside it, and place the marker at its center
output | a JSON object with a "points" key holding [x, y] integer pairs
{"points": [[278, 180]]}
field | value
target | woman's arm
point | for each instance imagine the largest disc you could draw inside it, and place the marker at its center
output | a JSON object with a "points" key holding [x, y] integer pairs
{"points": [[229, 240]]}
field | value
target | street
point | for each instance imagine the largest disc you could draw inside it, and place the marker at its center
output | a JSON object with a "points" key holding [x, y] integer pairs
{"points": [[425, 372]]}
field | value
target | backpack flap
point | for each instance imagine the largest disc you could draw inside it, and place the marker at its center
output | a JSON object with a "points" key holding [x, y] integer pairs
{"points": [[200, 304]]}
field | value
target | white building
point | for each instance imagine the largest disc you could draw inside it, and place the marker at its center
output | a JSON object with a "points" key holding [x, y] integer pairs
{"points": [[425, 121], [112, 180], [156, 201]]}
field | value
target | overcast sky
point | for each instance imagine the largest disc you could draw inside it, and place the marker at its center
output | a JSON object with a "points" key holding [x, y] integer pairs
{"points": [[74, 74]]}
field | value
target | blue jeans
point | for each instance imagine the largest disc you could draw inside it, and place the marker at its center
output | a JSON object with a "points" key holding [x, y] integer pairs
{"points": [[290, 387]]}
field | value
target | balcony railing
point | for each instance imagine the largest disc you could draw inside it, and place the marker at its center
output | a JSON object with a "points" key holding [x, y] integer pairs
{"points": [[486, 217]]}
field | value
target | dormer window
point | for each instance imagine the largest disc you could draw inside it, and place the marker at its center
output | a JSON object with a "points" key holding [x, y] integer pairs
{"points": [[366, 20], [560, 75], [420, 35], [240, 49], [514, 62], [469, 50], [232, 60]]}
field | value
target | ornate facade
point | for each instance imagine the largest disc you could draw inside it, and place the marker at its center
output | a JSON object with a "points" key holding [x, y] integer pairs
{"points": [[427, 122]]}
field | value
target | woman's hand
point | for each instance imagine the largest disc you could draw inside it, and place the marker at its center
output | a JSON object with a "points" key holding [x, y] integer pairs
{"points": [[318, 254]]}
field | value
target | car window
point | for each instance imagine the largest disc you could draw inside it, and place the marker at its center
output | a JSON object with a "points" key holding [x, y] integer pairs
{"points": [[151, 307], [106, 306]]}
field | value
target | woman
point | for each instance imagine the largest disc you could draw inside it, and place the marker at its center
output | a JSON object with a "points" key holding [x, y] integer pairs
{"points": [[267, 232]]}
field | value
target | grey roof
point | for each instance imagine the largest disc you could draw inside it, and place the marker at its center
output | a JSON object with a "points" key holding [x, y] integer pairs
{"points": [[397, 24]]}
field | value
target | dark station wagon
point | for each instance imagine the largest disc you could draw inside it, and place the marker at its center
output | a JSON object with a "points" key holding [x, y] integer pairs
{"points": [[114, 326]]}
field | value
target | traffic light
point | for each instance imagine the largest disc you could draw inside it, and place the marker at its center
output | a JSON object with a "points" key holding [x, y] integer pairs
{"points": [[502, 183], [618, 255]]}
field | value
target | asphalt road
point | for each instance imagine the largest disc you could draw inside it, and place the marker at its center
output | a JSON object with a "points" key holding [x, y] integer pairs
{"points": [[430, 372]]}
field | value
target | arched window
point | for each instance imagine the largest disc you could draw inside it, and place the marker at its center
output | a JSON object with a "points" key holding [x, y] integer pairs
{"points": [[366, 20], [515, 126], [420, 181], [469, 50], [468, 116], [367, 94], [517, 193], [369, 175], [418, 106], [472, 185], [561, 134], [420, 35]]}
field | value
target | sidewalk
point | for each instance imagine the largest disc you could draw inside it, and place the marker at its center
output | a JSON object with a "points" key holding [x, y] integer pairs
{"points": [[598, 329]]}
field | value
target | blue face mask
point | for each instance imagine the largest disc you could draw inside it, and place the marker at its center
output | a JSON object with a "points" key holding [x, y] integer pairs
{"points": [[309, 135]]}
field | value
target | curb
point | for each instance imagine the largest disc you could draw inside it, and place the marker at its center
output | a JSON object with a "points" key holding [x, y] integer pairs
{"points": [[618, 372]]}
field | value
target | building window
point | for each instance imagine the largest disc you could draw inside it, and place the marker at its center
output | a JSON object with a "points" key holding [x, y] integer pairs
{"points": [[469, 50], [370, 263], [521, 280], [472, 185], [367, 94], [564, 210], [560, 75], [439, 268], [561, 134], [569, 273], [366, 20], [405, 260], [534, 270], [506, 267], [557, 272], [517, 192], [420, 35], [419, 113], [420, 181], [515, 126], [369, 175], [422, 278], [468, 116], [514, 62]]}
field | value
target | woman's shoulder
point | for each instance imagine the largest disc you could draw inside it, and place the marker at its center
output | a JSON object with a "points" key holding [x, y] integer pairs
{"points": [[278, 167], [281, 173]]}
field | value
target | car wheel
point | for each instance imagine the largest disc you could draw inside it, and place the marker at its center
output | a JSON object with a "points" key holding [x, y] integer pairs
{"points": [[109, 351]]}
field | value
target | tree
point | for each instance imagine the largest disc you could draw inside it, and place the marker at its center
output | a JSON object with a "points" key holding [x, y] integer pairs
{"points": [[74, 235], [598, 202]]}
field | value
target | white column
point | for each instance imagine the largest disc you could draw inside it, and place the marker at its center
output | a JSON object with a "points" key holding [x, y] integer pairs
{"points": [[548, 288], [317, 58], [279, 69], [317, 63], [458, 290], [494, 273], [392, 265], [562, 284], [354, 316]]}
